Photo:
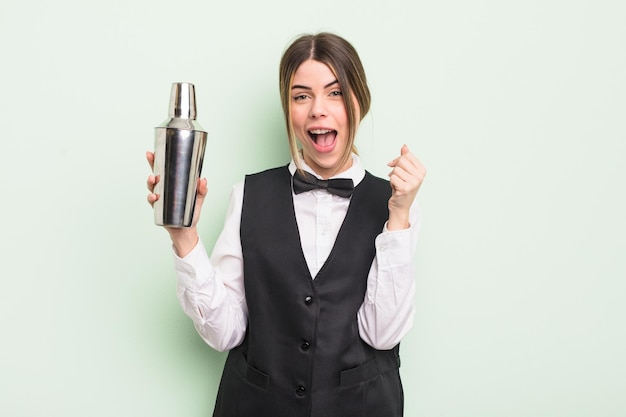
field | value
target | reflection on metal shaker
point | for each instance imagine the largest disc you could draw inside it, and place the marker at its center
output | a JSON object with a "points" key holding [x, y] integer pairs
{"points": [[179, 150]]}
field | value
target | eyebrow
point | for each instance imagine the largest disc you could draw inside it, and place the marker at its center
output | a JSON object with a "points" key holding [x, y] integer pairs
{"points": [[304, 87]]}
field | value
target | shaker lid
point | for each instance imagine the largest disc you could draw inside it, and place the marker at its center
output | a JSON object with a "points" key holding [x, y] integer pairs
{"points": [[183, 101]]}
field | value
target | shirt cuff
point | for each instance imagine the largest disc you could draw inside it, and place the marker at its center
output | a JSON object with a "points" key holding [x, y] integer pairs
{"points": [[195, 269], [393, 247]]}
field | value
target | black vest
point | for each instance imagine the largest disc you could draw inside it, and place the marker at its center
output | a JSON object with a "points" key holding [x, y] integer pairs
{"points": [[302, 355]]}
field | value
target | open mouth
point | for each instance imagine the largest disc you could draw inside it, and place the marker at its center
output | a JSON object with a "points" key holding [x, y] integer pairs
{"points": [[323, 138]]}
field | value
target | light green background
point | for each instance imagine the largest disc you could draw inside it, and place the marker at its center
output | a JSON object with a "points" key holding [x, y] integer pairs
{"points": [[516, 108]]}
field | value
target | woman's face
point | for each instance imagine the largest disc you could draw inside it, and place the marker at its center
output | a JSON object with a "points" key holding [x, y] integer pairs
{"points": [[319, 118]]}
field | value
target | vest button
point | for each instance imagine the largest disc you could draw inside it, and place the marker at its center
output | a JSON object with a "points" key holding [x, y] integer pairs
{"points": [[300, 390], [305, 346], [308, 300]]}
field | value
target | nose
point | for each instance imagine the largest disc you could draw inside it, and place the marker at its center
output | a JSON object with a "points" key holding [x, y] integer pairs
{"points": [[318, 108]]}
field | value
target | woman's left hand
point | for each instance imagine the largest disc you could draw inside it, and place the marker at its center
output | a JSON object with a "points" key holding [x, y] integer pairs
{"points": [[406, 178]]}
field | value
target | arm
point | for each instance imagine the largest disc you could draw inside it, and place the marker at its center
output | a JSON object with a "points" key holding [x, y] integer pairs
{"points": [[210, 291], [386, 314]]}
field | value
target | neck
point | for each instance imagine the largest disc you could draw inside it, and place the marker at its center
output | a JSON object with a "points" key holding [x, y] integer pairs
{"points": [[326, 173]]}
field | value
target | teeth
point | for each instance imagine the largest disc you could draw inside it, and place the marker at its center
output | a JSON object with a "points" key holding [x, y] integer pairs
{"points": [[320, 131]]}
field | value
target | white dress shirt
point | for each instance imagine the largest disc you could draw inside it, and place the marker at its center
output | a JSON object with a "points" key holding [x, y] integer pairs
{"points": [[211, 290]]}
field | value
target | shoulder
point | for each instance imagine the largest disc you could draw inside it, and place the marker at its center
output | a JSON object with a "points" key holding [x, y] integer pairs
{"points": [[376, 183], [268, 173], [268, 181], [373, 178]]}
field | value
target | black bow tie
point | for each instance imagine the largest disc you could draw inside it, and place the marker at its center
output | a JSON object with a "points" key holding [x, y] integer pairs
{"points": [[343, 187]]}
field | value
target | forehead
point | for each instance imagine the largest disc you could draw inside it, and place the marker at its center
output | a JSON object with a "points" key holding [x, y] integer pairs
{"points": [[313, 73]]}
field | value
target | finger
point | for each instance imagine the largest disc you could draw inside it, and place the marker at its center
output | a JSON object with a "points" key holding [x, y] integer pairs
{"points": [[408, 162], [400, 173], [399, 186], [150, 158], [152, 198], [421, 171], [152, 181], [411, 177]]}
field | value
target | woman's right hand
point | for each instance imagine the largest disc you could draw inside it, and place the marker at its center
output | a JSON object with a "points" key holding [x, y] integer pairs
{"points": [[183, 238]]}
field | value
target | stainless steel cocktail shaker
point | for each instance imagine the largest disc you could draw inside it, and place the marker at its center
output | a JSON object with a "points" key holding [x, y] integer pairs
{"points": [[179, 150]]}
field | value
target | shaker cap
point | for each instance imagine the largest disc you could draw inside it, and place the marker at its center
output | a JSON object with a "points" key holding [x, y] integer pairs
{"points": [[183, 101]]}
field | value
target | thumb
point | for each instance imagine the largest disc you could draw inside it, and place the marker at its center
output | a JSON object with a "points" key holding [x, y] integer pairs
{"points": [[403, 151], [202, 188]]}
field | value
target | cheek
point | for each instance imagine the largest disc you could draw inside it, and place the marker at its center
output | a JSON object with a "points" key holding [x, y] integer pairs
{"points": [[298, 117], [357, 109], [339, 111], [341, 116]]}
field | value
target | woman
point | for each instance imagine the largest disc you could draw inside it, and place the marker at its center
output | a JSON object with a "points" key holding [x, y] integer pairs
{"points": [[310, 283]]}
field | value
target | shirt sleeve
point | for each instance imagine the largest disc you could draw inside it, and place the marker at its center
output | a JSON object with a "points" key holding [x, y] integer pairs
{"points": [[211, 290], [386, 315]]}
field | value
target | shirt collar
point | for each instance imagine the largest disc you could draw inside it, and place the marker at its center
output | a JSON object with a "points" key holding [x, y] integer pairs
{"points": [[356, 172]]}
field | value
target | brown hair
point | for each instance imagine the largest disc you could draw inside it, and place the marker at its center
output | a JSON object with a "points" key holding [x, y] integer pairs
{"points": [[342, 59]]}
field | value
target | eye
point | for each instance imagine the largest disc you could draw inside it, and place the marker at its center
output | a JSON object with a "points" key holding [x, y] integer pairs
{"points": [[300, 97], [336, 93]]}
